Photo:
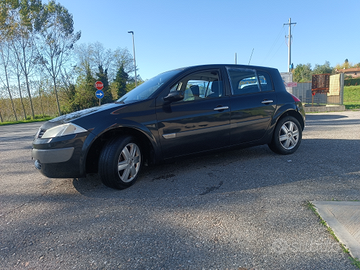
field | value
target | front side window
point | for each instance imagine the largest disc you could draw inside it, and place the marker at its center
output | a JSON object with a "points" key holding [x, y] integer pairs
{"points": [[200, 86], [145, 90]]}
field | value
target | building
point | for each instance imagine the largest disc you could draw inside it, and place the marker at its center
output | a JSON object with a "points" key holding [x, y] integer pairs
{"points": [[353, 72]]}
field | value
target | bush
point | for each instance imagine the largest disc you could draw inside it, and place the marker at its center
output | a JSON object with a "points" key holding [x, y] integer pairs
{"points": [[38, 117], [349, 82]]}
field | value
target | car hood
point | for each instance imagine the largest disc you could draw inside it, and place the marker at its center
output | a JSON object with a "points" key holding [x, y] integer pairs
{"points": [[63, 119], [75, 115]]}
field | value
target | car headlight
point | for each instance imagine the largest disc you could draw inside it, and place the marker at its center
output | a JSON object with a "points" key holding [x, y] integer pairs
{"points": [[62, 130]]}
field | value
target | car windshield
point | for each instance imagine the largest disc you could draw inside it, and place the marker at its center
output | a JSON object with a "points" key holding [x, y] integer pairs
{"points": [[145, 90]]}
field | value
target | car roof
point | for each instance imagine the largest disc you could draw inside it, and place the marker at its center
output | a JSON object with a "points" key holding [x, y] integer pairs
{"points": [[226, 65]]}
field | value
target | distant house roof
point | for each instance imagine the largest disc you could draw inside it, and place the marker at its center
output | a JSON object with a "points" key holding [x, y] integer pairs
{"points": [[348, 70]]}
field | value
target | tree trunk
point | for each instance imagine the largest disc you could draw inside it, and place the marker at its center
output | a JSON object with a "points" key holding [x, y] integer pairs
{"points": [[8, 87], [28, 86], [29, 93], [21, 99], [41, 103], [56, 95]]}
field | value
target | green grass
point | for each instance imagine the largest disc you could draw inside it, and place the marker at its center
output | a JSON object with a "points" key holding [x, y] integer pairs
{"points": [[28, 120], [352, 97], [354, 261]]}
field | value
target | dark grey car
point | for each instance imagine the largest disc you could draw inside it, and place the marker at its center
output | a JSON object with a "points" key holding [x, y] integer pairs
{"points": [[179, 112]]}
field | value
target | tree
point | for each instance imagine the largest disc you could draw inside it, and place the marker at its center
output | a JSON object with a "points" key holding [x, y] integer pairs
{"points": [[41, 37], [302, 73], [18, 21], [5, 62], [85, 92], [103, 57], [94, 55], [323, 69], [18, 72], [346, 65], [57, 37], [68, 92], [106, 65], [119, 84], [123, 58]]}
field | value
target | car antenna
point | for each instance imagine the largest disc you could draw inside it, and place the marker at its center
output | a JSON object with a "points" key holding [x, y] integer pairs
{"points": [[251, 56]]}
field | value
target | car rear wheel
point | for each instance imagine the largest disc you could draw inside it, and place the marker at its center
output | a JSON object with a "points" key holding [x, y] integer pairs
{"points": [[287, 136], [120, 162]]}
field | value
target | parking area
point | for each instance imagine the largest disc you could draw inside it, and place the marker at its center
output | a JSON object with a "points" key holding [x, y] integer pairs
{"points": [[240, 209]]}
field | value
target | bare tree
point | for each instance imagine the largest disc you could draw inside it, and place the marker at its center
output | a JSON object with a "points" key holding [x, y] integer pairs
{"points": [[26, 55], [19, 19], [84, 54], [122, 57], [94, 55], [5, 62], [57, 40], [18, 73], [102, 57]]}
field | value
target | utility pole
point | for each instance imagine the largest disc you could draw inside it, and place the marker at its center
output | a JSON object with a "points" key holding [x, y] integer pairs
{"points": [[289, 44]]}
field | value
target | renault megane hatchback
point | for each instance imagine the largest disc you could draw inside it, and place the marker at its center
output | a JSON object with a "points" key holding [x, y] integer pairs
{"points": [[180, 112]]}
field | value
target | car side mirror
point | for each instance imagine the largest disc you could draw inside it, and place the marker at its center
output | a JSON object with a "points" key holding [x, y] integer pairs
{"points": [[174, 96]]}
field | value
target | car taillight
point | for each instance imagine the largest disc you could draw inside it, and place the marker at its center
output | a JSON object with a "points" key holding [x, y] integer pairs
{"points": [[295, 98]]}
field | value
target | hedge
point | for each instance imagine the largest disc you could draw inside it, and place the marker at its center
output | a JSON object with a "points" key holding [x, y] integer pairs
{"points": [[349, 82]]}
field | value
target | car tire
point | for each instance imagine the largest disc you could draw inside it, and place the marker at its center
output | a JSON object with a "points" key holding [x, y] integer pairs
{"points": [[287, 136], [120, 162]]}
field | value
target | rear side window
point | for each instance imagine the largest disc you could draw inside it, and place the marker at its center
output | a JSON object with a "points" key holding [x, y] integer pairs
{"points": [[243, 81], [247, 81], [265, 81]]}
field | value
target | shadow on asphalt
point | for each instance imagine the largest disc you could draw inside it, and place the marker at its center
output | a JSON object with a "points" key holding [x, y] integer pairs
{"points": [[315, 116], [235, 170]]}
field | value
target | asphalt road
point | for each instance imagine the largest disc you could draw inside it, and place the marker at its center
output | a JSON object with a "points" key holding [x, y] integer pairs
{"points": [[241, 209]]}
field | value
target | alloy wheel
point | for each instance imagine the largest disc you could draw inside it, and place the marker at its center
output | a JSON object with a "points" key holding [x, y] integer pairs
{"points": [[129, 162], [289, 135]]}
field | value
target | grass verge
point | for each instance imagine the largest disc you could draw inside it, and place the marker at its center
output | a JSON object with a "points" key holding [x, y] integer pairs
{"points": [[27, 121], [352, 97], [322, 221]]}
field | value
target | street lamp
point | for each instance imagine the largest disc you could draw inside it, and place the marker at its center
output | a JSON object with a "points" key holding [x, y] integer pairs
{"points": [[132, 32]]}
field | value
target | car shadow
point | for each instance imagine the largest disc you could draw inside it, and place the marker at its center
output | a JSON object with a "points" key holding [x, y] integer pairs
{"points": [[235, 170]]}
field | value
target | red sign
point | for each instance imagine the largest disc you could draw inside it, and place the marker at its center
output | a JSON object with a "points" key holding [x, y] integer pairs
{"points": [[291, 84], [99, 85]]}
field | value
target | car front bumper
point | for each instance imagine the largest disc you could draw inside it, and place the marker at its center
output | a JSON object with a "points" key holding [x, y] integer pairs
{"points": [[59, 157], [52, 155]]}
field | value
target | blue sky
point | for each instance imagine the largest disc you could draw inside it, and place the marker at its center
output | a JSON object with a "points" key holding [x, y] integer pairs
{"points": [[172, 34]]}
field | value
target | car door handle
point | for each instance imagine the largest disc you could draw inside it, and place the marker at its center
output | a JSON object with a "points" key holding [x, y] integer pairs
{"points": [[267, 101], [222, 108]]}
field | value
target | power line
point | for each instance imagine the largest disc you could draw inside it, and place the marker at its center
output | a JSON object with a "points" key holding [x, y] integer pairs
{"points": [[275, 43]]}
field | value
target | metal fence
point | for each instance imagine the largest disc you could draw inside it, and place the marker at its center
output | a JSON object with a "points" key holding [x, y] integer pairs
{"points": [[304, 93]]}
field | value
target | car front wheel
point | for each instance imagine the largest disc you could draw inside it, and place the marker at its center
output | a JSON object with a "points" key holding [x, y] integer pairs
{"points": [[120, 162], [287, 136]]}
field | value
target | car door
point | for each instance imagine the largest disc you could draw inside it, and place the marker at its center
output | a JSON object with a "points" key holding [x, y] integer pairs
{"points": [[253, 104], [200, 121]]}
